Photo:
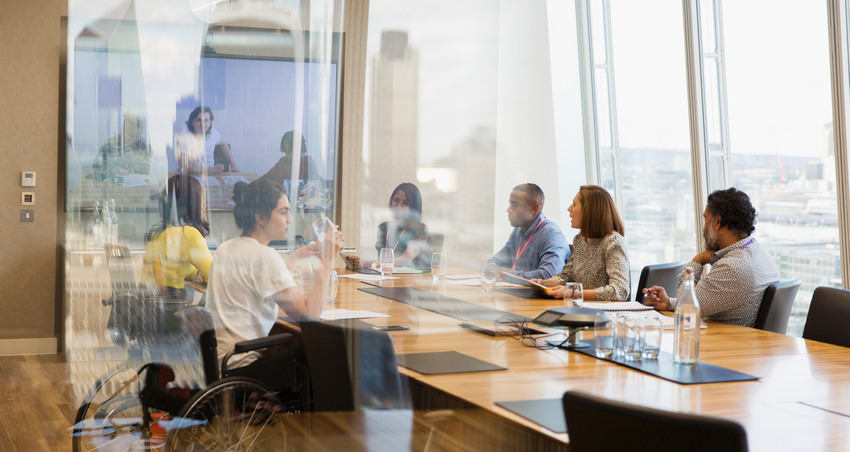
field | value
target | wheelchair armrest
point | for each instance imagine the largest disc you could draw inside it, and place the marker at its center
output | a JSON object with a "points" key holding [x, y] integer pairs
{"points": [[263, 342]]}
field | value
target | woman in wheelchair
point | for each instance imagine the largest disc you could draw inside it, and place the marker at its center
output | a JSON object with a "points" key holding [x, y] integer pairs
{"points": [[175, 246], [249, 281]]}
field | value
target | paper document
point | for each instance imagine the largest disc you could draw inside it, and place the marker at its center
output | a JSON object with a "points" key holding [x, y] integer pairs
{"points": [[613, 306], [477, 283], [406, 271], [341, 314], [459, 277]]}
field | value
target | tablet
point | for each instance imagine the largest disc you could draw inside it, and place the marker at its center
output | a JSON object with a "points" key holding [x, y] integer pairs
{"points": [[527, 282]]}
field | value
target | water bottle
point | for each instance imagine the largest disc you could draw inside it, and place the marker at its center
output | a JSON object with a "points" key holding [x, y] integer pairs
{"points": [[112, 223], [686, 336]]}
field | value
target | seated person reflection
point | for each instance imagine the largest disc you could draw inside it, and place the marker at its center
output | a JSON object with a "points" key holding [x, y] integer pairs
{"points": [[250, 281], [196, 150], [405, 234], [282, 170], [127, 153], [176, 248], [536, 248], [740, 271], [599, 261]]}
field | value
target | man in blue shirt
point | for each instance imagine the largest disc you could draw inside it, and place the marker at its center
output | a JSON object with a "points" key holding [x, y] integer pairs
{"points": [[536, 248]]}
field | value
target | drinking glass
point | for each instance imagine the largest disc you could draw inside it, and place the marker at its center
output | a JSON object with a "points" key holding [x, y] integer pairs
{"points": [[651, 337], [387, 261], [603, 336], [333, 288], [321, 226], [620, 333], [573, 295], [631, 344], [489, 275], [439, 264]]}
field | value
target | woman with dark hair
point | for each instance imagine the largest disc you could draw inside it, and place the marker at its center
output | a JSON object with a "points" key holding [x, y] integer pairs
{"points": [[405, 234], [599, 261], [176, 247], [196, 151], [250, 281]]}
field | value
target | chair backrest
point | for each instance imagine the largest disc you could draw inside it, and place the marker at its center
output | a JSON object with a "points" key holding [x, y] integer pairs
{"points": [[590, 421], [121, 272], [664, 275], [351, 367], [828, 316], [775, 308], [435, 242]]}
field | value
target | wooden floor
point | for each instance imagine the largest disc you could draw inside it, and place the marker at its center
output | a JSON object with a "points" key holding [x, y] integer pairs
{"points": [[36, 402]]}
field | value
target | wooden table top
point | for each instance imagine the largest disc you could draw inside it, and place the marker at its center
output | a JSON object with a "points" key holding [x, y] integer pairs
{"points": [[801, 402]]}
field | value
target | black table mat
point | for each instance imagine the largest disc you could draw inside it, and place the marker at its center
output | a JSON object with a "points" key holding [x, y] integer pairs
{"points": [[546, 412], [441, 304], [522, 292], [450, 362], [665, 368]]}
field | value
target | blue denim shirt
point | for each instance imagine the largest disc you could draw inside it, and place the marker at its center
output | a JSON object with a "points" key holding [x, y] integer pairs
{"points": [[545, 254]]}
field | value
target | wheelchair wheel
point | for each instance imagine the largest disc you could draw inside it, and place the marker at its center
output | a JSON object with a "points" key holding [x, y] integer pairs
{"points": [[110, 417], [233, 414]]}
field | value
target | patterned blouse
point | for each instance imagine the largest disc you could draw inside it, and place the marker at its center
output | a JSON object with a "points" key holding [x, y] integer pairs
{"points": [[732, 291], [601, 265]]}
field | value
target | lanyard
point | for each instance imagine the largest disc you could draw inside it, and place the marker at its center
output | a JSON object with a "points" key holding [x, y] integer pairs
{"points": [[399, 237], [519, 251]]}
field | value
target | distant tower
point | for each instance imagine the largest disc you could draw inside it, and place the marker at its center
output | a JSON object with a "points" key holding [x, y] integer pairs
{"points": [[394, 116]]}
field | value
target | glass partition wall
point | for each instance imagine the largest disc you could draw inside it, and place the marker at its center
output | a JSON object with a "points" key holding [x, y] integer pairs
{"points": [[224, 93], [463, 100]]}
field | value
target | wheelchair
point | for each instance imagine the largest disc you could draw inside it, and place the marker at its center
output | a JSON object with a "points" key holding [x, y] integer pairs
{"points": [[139, 405]]}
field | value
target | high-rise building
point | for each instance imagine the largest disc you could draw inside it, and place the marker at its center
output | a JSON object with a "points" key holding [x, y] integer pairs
{"points": [[393, 116]]}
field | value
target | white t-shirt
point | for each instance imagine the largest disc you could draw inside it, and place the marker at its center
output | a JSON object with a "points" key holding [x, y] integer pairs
{"points": [[191, 149], [244, 274]]}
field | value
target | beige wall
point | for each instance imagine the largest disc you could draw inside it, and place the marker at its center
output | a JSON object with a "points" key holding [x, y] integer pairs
{"points": [[30, 106]]}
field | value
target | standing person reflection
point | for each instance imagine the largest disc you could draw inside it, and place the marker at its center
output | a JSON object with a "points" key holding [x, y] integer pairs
{"points": [[405, 234], [176, 247], [202, 150], [250, 281], [599, 261]]}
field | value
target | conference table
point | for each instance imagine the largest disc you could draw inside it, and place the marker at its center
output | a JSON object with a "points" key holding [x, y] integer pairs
{"points": [[801, 400]]}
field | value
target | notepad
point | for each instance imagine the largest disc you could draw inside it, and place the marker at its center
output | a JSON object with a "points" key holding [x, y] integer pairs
{"points": [[615, 306]]}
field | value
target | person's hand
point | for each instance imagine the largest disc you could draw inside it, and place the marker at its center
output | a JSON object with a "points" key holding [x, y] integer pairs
{"points": [[550, 282], [332, 243], [313, 249], [218, 169], [703, 257], [234, 168], [656, 297], [556, 292], [352, 262]]}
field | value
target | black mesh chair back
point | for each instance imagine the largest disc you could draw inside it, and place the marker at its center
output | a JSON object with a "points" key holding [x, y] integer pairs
{"points": [[121, 271], [351, 367], [775, 308], [829, 313], [664, 275], [596, 424], [198, 324], [435, 242]]}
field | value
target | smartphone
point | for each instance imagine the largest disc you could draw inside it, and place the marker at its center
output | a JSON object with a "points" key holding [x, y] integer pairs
{"points": [[391, 328]]}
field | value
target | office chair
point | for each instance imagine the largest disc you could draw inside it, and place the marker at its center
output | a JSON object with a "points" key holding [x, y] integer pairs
{"points": [[775, 308], [121, 271], [351, 367], [594, 424], [828, 314], [664, 275]]}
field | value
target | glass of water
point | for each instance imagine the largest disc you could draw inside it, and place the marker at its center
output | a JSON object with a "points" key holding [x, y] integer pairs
{"points": [[387, 260], [439, 264], [650, 337], [573, 295], [632, 344], [321, 226], [489, 275], [603, 336], [333, 288]]}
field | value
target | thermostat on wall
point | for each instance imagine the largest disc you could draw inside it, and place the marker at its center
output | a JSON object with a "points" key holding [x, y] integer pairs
{"points": [[28, 179]]}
